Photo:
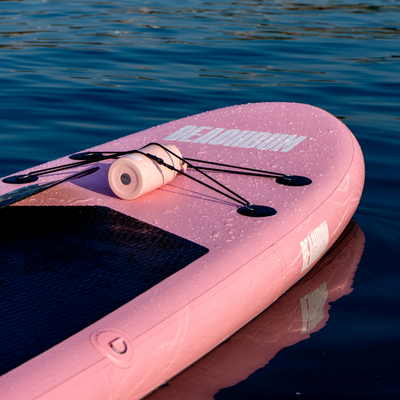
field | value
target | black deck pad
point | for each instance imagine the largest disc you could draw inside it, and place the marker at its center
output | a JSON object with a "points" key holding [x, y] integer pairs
{"points": [[64, 268]]}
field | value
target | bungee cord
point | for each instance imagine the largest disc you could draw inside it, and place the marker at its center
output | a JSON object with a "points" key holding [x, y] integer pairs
{"points": [[247, 208]]}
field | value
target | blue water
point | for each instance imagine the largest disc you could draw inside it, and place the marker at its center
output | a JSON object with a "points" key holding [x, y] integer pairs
{"points": [[78, 73]]}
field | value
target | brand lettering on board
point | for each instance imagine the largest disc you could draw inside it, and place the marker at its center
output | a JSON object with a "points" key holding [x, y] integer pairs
{"points": [[312, 307], [236, 138], [314, 245]]}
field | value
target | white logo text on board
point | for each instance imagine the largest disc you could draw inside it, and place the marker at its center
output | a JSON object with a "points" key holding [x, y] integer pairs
{"points": [[314, 245], [236, 138]]}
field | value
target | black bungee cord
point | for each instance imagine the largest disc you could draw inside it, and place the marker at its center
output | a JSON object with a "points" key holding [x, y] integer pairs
{"points": [[24, 192], [247, 209]]}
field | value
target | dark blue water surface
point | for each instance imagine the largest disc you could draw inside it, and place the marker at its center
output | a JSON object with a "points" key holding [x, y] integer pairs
{"points": [[74, 74]]}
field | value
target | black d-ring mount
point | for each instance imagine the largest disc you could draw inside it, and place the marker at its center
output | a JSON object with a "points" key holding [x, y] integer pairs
{"points": [[256, 211], [18, 179], [293, 180]]}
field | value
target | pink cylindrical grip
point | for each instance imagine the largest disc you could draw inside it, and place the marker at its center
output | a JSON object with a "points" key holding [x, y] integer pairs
{"points": [[134, 175]]}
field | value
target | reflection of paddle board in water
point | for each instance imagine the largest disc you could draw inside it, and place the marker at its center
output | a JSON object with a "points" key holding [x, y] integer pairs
{"points": [[292, 318], [106, 297]]}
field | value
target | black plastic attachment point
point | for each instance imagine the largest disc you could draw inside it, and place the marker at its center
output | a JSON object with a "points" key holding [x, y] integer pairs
{"points": [[256, 211], [89, 155], [19, 179], [293, 180]]}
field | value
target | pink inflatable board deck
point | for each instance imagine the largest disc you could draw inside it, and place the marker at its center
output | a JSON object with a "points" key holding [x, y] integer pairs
{"points": [[109, 298], [300, 312]]}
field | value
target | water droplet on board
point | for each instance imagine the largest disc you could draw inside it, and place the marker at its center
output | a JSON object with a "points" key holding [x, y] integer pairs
{"points": [[78, 201]]}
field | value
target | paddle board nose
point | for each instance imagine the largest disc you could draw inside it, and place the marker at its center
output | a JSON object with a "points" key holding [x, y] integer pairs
{"points": [[134, 175]]}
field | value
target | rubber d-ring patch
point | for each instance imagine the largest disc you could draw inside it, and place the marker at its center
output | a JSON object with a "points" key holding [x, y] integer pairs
{"points": [[114, 346]]}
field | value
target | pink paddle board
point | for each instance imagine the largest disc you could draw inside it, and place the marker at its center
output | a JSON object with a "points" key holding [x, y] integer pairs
{"points": [[300, 312], [109, 298]]}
